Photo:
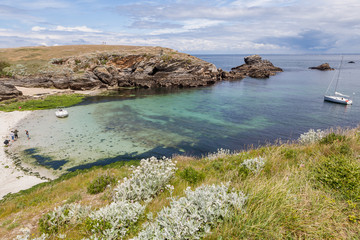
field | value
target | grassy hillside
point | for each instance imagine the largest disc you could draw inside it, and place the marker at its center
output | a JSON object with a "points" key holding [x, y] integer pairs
{"points": [[33, 60], [306, 190]]}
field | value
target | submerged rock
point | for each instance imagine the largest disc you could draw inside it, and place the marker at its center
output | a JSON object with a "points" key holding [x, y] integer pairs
{"points": [[323, 67], [255, 67]]}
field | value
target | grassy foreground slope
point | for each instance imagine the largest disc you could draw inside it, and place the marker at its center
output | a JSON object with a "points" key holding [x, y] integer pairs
{"points": [[299, 191]]}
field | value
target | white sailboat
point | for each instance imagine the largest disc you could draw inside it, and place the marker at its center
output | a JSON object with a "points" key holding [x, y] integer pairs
{"points": [[337, 97]]}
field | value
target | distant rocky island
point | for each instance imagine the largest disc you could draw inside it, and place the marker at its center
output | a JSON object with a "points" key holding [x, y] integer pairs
{"points": [[322, 67], [120, 66]]}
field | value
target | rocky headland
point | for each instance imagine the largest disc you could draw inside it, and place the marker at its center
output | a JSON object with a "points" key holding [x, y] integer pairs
{"points": [[144, 67]]}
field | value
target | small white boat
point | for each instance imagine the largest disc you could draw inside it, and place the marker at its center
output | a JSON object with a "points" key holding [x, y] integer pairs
{"points": [[337, 97], [61, 113]]}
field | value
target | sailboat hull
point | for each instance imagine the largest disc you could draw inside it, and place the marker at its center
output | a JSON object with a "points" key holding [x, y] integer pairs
{"points": [[337, 99]]}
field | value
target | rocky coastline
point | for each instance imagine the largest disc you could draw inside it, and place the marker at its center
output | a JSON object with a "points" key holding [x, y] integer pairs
{"points": [[114, 70]]}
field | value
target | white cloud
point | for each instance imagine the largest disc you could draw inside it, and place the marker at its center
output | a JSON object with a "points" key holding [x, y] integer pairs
{"points": [[200, 23], [38, 29], [188, 25], [84, 29], [75, 29]]}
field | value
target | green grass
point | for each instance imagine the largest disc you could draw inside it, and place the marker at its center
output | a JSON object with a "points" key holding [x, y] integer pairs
{"points": [[303, 192], [49, 102]]}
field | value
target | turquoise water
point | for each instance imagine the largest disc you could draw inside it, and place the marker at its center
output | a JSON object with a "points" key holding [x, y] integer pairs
{"points": [[231, 114]]}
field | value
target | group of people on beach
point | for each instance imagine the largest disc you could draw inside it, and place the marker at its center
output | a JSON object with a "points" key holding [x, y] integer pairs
{"points": [[14, 135]]}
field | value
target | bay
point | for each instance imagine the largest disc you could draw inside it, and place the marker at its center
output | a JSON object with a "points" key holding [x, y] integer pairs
{"points": [[233, 115]]}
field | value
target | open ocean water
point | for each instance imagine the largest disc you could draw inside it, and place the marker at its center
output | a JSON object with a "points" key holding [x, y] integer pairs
{"points": [[161, 122]]}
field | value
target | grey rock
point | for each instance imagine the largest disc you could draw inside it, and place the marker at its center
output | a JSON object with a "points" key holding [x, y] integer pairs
{"points": [[8, 91], [255, 67]]}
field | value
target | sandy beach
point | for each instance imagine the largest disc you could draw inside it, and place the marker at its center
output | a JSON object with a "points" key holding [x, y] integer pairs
{"points": [[12, 180]]}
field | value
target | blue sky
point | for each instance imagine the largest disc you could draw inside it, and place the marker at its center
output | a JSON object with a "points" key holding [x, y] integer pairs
{"points": [[193, 26]]}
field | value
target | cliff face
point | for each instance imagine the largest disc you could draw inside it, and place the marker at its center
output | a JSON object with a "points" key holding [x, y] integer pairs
{"points": [[112, 70]]}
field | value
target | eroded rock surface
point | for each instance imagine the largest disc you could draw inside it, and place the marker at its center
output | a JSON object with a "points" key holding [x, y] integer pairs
{"points": [[255, 67], [323, 67], [109, 70], [8, 91]]}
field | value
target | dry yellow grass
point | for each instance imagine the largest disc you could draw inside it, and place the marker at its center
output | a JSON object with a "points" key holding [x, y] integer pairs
{"points": [[28, 54]]}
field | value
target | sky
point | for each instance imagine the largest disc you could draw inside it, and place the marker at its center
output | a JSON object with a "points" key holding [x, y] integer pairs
{"points": [[192, 26]]}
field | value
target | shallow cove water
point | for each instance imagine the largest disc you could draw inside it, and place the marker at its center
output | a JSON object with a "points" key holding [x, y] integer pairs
{"points": [[161, 122]]}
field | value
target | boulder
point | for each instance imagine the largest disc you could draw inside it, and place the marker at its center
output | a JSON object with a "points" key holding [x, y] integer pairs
{"points": [[255, 67], [85, 83], [323, 67], [251, 60], [61, 82], [8, 91], [103, 74]]}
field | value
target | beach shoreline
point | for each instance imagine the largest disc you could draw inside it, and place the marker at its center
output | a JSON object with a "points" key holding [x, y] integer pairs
{"points": [[13, 179]]}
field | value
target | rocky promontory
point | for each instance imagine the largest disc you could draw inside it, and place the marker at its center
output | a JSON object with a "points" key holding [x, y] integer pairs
{"points": [[255, 67], [323, 67], [144, 67]]}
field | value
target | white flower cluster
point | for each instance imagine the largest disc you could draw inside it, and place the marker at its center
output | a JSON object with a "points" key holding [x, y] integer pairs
{"points": [[192, 216], [311, 136], [254, 164], [114, 220], [219, 154], [146, 180]]}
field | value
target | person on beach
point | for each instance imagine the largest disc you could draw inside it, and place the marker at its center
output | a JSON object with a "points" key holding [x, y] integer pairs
{"points": [[6, 142], [12, 136], [27, 134], [16, 134]]}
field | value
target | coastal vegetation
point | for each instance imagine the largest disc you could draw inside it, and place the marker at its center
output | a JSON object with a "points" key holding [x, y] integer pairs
{"points": [[306, 189], [49, 102]]}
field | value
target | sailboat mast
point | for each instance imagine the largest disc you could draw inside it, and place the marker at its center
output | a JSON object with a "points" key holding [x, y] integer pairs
{"points": [[337, 80]]}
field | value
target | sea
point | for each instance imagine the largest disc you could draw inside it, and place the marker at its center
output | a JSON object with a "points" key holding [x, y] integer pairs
{"points": [[234, 115]]}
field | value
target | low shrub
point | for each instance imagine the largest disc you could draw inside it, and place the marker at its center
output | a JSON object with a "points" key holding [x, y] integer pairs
{"points": [[332, 137], [255, 165], [340, 174], [289, 153], [191, 175], [100, 183], [113, 221], [146, 180], [53, 221], [221, 153], [192, 216], [311, 136], [3, 65]]}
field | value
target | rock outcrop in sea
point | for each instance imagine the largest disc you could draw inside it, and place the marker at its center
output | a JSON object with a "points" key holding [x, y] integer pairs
{"points": [[255, 67], [323, 67]]}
